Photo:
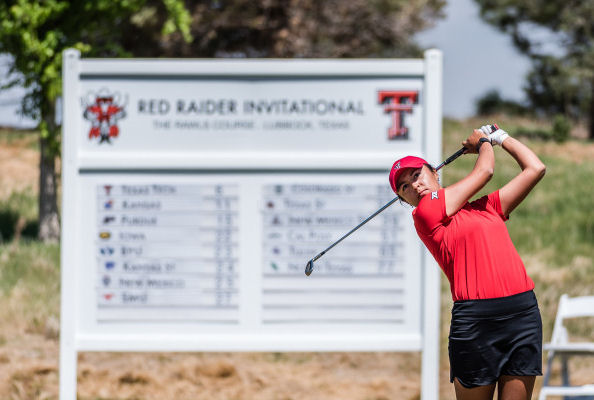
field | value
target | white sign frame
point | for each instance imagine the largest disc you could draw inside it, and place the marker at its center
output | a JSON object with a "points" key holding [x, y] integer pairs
{"points": [[75, 162]]}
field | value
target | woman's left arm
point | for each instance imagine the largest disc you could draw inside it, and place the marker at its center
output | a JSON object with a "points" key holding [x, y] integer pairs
{"points": [[512, 194]]}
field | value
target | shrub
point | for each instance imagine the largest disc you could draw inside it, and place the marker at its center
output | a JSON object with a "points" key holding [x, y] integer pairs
{"points": [[492, 103], [561, 128]]}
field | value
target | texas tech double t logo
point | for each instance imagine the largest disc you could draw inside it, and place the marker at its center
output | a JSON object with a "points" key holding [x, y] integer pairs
{"points": [[397, 103]]}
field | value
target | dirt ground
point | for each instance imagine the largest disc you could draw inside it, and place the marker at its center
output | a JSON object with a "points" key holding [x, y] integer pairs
{"points": [[19, 167], [29, 370]]}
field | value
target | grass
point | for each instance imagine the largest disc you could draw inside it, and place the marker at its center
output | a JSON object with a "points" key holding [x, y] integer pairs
{"points": [[25, 138], [18, 215], [558, 219], [30, 285]]}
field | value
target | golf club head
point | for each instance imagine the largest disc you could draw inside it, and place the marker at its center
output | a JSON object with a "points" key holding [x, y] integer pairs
{"points": [[309, 267]]}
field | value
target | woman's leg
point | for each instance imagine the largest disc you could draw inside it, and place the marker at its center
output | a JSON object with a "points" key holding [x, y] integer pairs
{"points": [[476, 393], [515, 387]]}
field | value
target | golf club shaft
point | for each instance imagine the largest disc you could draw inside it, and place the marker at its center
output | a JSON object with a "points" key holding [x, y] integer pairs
{"points": [[388, 204], [357, 227]]}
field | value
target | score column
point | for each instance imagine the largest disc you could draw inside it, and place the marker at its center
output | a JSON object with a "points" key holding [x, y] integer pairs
{"points": [[362, 281]]}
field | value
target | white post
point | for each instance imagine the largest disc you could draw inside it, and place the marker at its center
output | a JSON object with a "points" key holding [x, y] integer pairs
{"points": [[431, 304], [68, 350]]}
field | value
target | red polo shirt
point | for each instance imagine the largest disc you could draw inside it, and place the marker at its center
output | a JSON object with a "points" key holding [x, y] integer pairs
{"points": [[472, 247]]}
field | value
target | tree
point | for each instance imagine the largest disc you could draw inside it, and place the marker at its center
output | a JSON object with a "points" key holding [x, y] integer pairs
{"points": [[558, 35], [492, 102], [36, 32], [306, 28]]}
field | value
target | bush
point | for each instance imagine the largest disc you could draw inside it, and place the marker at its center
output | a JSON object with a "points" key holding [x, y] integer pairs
{"points": [[533, 133], [8, 220], [492, 103], [561, 128], [18, 216]]}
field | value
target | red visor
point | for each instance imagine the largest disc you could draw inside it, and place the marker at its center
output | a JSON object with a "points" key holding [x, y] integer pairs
{"points": [[402, 164]]}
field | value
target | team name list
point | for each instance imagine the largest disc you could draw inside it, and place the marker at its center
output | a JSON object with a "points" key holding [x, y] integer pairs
{"points": [[167, 251]]}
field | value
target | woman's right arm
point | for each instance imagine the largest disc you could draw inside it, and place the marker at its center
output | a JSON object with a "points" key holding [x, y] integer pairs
{"points": [[459, 193], [518, 188]]}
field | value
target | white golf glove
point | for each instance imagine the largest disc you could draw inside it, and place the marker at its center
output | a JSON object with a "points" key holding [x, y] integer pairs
{"points": [[488, 129], [497, 137]]}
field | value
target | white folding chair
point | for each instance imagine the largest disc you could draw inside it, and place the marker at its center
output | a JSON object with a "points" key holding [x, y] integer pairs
{"points": [[560, 346]]}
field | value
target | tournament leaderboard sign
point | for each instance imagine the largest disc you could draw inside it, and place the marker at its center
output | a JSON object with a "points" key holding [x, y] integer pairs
{"points": [[195, 191]]}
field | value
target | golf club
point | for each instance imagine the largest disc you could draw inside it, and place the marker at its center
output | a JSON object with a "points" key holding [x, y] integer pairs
{"points": [[310, 264]]}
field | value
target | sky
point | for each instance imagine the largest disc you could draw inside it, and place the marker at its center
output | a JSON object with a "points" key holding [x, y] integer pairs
{"points": [[9, 101], [477, 58]]}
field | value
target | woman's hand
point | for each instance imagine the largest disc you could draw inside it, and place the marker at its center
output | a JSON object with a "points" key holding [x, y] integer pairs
{"points": [[495, 134], [471, 144]]}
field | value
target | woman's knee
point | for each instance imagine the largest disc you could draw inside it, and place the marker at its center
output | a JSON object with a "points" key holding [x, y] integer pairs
{"points": [[474, 393], [511, 387]]}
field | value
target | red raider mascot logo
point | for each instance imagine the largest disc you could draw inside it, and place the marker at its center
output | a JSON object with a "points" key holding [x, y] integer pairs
{"points": [[396, 103], [103, 109]]}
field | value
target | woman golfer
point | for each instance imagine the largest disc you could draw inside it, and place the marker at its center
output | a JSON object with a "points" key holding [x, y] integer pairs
{"points": [[496, 331]]}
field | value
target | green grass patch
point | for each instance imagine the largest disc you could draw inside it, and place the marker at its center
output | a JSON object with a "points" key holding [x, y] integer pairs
{"points": [[23, 203], [29, 283], [28, 139], [558, 217], [18, 216]]}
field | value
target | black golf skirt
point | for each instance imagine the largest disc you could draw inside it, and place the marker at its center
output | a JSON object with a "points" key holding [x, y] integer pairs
{"points": [[494, 337]]}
